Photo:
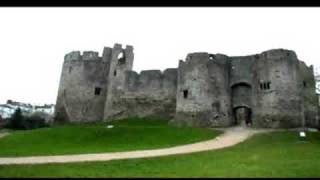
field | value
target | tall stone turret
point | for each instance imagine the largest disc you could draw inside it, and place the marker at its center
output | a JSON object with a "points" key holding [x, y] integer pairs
{"points": [[81, 94], [202, 91], [277, 89], [121, 62]]}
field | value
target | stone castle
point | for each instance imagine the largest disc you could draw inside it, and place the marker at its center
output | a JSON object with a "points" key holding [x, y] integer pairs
{"points": [[271, 89]]}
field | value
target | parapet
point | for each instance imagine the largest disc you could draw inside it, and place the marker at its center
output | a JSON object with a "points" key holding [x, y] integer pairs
{"points": [[153, 82], [129, 47], [279, 53], [150, 73], [170, 71], [204, 57], [87, 55], [119, 46], [74, 55], [94, 55], [90, 55]]}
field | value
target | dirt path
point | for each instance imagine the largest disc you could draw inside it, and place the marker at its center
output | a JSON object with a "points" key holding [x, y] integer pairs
{"points": [[3, 134], [230, 137]]}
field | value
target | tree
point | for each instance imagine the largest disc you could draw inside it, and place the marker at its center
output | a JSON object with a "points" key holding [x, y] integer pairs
{"points": [[17, 120]]}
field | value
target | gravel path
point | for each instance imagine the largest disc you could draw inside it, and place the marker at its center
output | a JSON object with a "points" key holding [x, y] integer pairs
{"points": [[3, 134], [230, 137]]}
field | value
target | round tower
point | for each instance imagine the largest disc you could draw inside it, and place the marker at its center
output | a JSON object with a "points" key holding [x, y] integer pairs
{"points": [[82, 92]]}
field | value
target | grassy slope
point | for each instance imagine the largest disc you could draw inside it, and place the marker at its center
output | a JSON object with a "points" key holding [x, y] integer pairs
{"points": [[278, 154], [132, 134]]}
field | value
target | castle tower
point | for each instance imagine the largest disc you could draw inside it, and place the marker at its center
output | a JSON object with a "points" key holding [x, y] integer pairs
{"points": [[277, 89], [121, 62], [82, 93], [202, 91]]}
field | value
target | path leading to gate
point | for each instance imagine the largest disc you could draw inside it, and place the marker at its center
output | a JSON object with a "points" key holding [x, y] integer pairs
{"points": [[230, 137]]}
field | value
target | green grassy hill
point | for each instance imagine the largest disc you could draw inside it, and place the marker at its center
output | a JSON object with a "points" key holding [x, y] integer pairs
{"points": [[128, 134], [277, 154]]}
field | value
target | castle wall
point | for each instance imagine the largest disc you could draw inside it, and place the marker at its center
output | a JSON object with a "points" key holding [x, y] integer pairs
{"points": [[148, 94], [81, 76]]}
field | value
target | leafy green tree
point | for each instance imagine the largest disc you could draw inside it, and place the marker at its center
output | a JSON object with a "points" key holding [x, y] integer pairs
{"points": [[17, 120]]}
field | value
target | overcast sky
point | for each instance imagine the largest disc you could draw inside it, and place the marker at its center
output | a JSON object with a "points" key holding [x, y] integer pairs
{"points": [[33, 41]]}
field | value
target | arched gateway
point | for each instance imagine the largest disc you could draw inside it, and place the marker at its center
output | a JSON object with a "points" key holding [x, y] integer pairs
{"points": [[241, 104]]}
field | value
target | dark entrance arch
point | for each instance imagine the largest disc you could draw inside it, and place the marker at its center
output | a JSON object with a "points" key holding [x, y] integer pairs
{"points": [[241, 103], [242, 116]]}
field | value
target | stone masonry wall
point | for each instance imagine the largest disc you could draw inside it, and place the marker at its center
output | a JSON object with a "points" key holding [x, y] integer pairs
{"points": [[150, 93]]}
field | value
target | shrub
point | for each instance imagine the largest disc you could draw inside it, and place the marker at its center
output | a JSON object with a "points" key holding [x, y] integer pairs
{"points": [[18, 121]]}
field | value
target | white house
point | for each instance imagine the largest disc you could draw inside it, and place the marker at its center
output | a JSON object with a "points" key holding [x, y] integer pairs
{"points": [[6, 111], [49, 109]]}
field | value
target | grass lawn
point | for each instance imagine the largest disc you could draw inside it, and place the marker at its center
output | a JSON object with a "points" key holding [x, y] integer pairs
{"points": [[277, 154], [128, 134]]}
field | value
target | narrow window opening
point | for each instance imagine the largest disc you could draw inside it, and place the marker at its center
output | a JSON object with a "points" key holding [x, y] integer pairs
{"points": [[264, 85], [97, 91], [121, 58], [304, 84], [114, 72], [268, 85], [185, 94]]}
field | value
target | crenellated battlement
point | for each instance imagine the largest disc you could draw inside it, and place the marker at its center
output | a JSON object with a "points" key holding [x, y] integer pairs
{"points": [[151, 81], [85, 56], [153, 73]]}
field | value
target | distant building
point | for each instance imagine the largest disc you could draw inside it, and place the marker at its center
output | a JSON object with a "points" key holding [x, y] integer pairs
{"points": [[25, 108], [6, 110], [47, 108]]}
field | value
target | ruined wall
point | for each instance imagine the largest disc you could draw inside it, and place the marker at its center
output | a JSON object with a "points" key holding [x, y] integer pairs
{"points": [[202, 91], [121, 62], [310, 99], [82, 77], [148, 94]]}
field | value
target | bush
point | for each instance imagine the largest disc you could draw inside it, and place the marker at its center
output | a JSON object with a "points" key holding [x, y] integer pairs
{"points": [[34, 122], [18, 121]]}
